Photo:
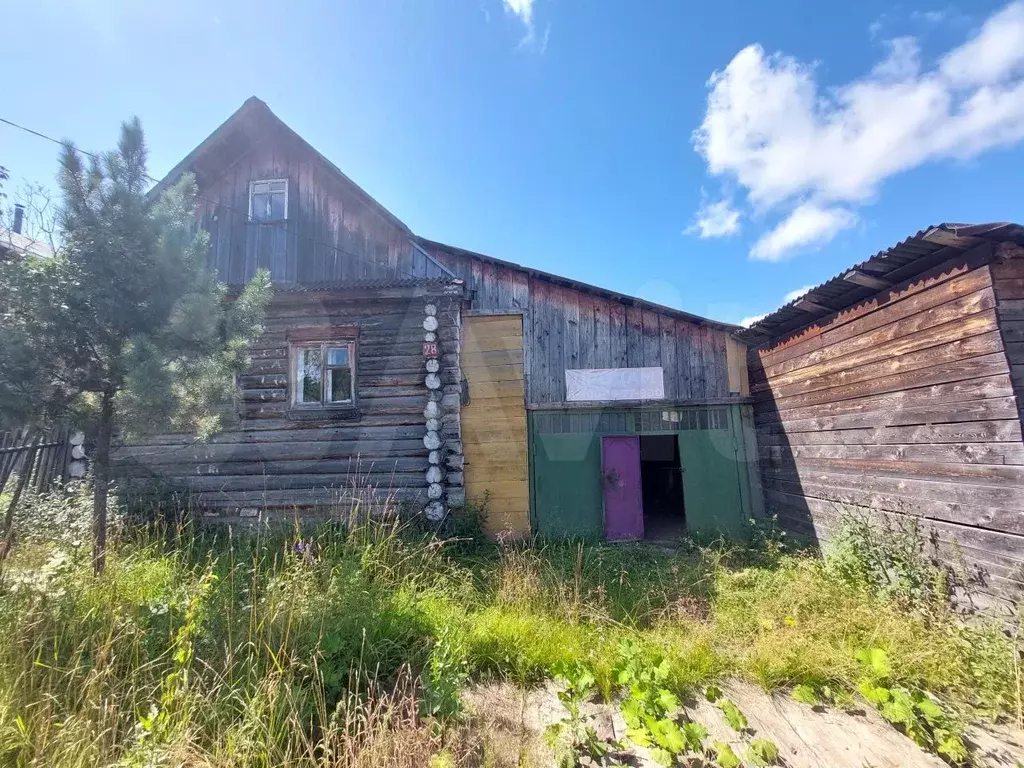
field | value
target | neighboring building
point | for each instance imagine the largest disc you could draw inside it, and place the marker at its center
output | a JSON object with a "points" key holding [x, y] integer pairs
{"points": [[430, 373], [896, 388], [14, 244]]}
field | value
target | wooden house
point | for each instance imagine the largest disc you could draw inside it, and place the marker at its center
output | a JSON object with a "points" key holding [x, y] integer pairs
{"points": [[895, 389], [402, 367]]}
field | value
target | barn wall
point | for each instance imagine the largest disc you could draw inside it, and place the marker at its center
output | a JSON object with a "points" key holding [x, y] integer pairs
{"points": [[903, 405], [331, 234], [278, 460], [1008, 280], [567, 328]]}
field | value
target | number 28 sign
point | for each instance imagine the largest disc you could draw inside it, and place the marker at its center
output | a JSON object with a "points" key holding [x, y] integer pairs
{"points": [[430, 349]]}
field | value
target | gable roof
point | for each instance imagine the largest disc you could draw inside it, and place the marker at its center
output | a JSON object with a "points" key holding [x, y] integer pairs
{"points": [[255, 116], [583, 287], [21, 245], [918, 253]]}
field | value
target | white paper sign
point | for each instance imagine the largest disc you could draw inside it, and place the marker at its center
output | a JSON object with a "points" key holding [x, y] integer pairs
{"points": [[615, 384]]}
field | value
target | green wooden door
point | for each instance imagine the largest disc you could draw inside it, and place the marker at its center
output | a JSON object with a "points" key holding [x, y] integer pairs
{"points": [[713, 486], [567, 486]]}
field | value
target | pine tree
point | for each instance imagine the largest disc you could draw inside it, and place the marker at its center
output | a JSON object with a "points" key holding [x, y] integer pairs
{"points": [[126, 330]]}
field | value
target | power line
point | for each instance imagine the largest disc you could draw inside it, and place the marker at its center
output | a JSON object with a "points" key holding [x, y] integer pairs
{"points": [[286, 230]]}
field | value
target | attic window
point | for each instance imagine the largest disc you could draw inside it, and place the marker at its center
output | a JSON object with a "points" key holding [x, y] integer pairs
{"points": [[268, 200]]}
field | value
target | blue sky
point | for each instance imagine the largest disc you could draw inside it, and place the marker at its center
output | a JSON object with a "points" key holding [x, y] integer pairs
{"points": [[714, 157]]}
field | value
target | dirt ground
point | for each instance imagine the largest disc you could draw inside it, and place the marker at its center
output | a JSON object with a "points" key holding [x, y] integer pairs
{"points": [[514, 720]]}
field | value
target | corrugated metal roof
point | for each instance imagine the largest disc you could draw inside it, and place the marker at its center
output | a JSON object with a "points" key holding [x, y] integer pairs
{"points": [[918, 253]]}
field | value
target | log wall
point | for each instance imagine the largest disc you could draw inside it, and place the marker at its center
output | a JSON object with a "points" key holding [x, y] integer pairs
{"points": [[905, 406], [283, 460]]}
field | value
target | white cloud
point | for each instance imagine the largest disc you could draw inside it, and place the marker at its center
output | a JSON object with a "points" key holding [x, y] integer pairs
{"points": [[521, 8], [809, 226], [808, 153], [715, 220], [995, 54], [794, 295], [746, 322]]}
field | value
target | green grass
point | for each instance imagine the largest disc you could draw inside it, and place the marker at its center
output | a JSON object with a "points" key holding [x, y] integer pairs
{"points": [[211, 649]]}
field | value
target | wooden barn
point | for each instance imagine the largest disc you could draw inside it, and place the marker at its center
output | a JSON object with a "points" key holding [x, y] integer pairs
{"points": [[896, 389], [400, 367]]}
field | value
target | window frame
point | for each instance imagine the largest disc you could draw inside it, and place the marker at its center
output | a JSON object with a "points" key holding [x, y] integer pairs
{"points": [[252, 188], [295, 350]]}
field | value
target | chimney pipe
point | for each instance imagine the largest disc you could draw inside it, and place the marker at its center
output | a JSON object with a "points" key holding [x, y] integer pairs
{"points": [[19, 217]]}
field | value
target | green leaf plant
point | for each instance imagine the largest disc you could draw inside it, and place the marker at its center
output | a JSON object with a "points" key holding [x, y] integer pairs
{"points": [[914, 711]]}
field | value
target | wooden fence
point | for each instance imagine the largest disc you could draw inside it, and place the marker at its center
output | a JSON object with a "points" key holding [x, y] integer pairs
{"points": [[38, 460]]}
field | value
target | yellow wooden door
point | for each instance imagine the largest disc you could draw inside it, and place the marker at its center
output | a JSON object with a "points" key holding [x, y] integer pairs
{"points": [[494, 422]]}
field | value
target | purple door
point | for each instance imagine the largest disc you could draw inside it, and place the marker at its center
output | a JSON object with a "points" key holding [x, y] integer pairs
{"points": [[623, 498]]}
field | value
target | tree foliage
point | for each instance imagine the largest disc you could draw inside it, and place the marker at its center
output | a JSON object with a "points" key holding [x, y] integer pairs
{"points": [[125, 329]]}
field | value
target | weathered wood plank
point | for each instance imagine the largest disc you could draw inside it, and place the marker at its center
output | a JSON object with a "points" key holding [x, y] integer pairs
{"points": [[971, 263], [601, 352], [634, 337], [684, 379], [1011, 453], [667, 334], [955, 330], [571, 330], [894, 402], [958, 370], [950, 312], [618, 333], [1008, 430], [651, 338], [585, 331], [886, 493], [976, 410], [861, 320], [962, 349]]}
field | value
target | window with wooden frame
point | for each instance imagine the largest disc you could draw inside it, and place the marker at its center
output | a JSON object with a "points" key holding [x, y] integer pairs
{"points": [[322, 368], [268, 200]]}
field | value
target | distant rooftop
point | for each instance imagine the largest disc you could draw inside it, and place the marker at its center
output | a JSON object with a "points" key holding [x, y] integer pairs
{"points": [[12, 242]]}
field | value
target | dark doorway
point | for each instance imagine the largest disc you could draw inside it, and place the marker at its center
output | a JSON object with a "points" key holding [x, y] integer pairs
{"points": [[662, 482]]}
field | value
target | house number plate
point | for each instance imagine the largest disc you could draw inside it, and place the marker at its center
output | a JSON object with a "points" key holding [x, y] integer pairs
{"points": [[430, 349]]}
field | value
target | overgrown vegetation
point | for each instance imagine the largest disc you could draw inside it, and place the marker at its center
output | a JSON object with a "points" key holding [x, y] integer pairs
{"points": [[125, 328], [351, 647]]}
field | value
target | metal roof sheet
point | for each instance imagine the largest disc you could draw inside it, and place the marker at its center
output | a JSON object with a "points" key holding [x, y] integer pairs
{"points": [[920, 252]]}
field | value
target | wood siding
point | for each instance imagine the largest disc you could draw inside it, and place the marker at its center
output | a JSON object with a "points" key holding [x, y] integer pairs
{"points": [[1008, 281], [331, 234], [494, 421], [905, 406], [281, 459], [568, 327]]}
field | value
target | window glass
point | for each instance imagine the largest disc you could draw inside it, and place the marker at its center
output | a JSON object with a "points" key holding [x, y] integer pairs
{"points": [[337, 356], [268, 200], [341, 385], [310, 376], [277, 206]]}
